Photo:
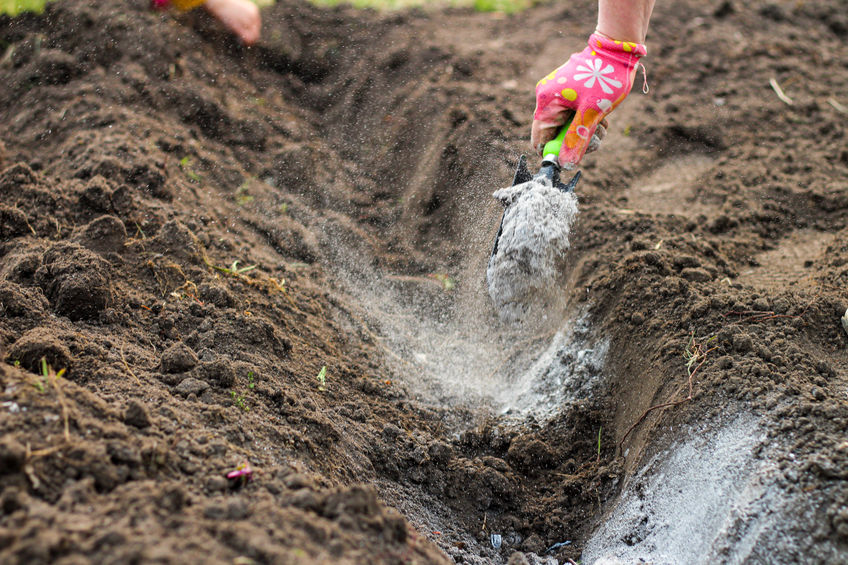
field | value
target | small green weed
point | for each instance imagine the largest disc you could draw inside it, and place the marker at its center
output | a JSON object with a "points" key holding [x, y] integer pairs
{"points": [[322, 379], [15, 7], [45, 373], [233, 269], [448, 283], [48, 377], [185, 165], [599, 442], [242, 196], [239, 400]]}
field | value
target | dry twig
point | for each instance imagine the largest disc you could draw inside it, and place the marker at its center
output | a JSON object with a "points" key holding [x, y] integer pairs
{"points": [[695, 356], [779, 91], [839, 107], [127, 366]]}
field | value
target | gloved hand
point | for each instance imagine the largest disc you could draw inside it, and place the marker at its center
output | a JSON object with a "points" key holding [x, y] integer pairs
{"points": [[590, 84], [181, 5]]}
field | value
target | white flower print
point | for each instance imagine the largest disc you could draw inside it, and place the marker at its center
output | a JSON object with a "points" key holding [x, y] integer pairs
{"points": [[594, 71]]}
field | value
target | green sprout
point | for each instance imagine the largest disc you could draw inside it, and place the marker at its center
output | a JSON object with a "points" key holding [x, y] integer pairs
{"points": [[15, 7], [447, 282], [599, 442], [45, 372], [233, 269], [322, 379], [242, 196], [239, 400], [185, 165], [250, 383]]}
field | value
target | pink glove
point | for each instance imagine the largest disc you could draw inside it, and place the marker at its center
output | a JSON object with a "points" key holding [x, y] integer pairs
{"points": [[591, 84]]}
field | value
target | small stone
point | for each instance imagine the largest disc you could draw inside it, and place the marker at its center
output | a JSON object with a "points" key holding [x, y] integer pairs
{"points": [[191, 385], [136, 414], [637, 318]]}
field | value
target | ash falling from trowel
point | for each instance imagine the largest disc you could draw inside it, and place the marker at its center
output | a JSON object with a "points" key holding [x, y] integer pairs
{"points": [[533, 241]]}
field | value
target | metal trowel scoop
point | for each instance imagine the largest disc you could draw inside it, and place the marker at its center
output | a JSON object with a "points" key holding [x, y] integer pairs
{"points": [[533, 234]]}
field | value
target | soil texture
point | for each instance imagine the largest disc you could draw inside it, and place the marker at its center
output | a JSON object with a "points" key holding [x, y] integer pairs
{"points": [[269, 263]]}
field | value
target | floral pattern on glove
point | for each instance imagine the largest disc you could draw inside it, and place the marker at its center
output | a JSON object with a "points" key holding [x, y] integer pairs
{"points": [[591, 84]]}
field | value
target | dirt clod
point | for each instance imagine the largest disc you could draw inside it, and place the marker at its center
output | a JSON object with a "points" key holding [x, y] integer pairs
{"points": [[40, 343], [77, 282], [178, 358], [12, 456], [191, 385], [136, 414], [323, 199]]}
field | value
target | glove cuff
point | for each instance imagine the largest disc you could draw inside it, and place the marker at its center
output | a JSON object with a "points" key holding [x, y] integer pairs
{"points": [[619, 49]]}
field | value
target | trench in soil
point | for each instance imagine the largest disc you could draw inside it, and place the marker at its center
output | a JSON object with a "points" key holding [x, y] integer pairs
{"points": [[362, 176]]}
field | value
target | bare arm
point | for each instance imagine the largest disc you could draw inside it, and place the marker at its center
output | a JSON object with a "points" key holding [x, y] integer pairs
{"points": [[625, 20]]}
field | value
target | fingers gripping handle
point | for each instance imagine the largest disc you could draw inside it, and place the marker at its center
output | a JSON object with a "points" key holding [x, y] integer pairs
{"points": [[551, 151], [550, 160]]}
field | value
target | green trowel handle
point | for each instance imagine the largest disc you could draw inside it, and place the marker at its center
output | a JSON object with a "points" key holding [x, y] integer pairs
{"points": [[552, 148]]}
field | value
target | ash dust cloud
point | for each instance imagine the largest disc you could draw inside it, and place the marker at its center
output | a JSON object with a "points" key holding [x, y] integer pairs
{"points": [[291, 353], [452, 347]]}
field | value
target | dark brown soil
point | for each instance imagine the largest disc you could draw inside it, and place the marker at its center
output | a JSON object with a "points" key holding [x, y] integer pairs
{"points": [[148, 163]]}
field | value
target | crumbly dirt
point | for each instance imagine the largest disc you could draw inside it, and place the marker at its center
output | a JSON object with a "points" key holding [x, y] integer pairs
{"points": [[188, 227]]}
